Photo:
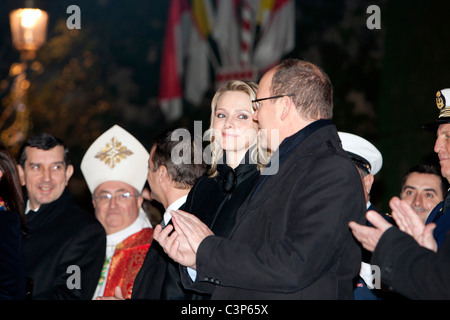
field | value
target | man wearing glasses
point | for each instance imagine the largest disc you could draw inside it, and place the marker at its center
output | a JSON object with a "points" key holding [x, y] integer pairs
{"points": [[115, 170], [291, 239]]}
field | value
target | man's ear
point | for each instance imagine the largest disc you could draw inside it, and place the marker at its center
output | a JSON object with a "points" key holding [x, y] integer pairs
{"points": [[69, 172], [162, 173], [286, 106], [368, 181], [21, 174]]}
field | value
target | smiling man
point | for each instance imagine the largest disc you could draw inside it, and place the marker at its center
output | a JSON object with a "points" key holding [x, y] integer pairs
{"points": [[423, 188], [60, 235]]}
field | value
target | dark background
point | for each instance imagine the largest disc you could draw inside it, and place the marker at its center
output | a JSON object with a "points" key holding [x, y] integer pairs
{"points": [[106, 73]]}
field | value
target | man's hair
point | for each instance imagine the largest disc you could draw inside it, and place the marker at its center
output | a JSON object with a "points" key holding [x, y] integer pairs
{"points": [[184, 175], [310, 87], [427, 169], [43, 141]]}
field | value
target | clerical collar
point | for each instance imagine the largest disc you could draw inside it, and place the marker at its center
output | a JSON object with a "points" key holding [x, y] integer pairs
{"points": [[140, 223], [173, 206]]}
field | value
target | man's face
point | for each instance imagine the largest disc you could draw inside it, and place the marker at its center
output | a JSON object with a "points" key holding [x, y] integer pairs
{"points": [[119, 210], [442, 148], [423, 192], [267, 113], [44, 174]]}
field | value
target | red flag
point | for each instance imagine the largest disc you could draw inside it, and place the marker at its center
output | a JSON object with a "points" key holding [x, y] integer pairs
{"points": [[170, 83]]}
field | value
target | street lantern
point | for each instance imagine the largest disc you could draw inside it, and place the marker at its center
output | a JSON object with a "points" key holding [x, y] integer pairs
{"points": [[29, 30], [29, 33]]}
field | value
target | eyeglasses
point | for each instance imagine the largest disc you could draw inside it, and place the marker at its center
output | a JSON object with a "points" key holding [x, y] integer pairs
{"points": [[105, 198], [256, 104]]}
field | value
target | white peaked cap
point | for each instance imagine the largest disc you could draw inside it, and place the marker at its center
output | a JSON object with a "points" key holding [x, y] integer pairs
{"points": [[115, 156], [363, 150]]}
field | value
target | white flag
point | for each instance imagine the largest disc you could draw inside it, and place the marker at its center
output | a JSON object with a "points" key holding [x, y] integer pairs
{"points": [[278, 35]]}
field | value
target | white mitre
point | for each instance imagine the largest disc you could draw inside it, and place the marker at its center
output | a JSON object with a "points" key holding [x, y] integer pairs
{"points": [[115, 156]]}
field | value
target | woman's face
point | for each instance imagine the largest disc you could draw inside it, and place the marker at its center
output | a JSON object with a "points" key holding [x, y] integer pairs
{"points": [[234, 128]]}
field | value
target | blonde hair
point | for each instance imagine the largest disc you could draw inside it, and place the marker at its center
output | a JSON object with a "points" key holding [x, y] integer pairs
{"points": [[258, 155]]}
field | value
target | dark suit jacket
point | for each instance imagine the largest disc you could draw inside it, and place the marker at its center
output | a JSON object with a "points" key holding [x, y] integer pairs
{"points": [[149, 281], [59, 235], [291, 239]]}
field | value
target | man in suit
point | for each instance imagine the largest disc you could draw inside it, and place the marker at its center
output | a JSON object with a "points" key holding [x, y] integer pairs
{"points": [[291, 239], [170, 184], [64, 246]]}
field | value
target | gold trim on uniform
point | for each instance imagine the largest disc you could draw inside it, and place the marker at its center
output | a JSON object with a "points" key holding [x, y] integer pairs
{"points": [[444, 113], [440, 100]]}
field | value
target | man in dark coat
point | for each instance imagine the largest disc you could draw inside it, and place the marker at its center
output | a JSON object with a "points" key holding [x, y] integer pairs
{"points": [[291, 239], [170, 184], [64, 246]]}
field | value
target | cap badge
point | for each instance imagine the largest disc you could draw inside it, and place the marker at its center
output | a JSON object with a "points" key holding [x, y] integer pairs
{"points": [[440, 100], [113, 153]]}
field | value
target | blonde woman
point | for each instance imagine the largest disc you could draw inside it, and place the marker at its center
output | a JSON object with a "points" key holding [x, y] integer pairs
{"points": [[236, 160], [232, 128]]}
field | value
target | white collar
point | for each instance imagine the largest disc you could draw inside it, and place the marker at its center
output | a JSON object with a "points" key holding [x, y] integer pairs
{"points": [[27, 208], [174, 206]]}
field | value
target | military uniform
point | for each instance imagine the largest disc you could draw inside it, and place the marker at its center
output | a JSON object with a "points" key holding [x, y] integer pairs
{"points": [[440, 215], [406, 267], [368, 159]]}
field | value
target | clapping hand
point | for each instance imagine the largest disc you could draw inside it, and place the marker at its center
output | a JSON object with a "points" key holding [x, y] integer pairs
{"points": [[408, 221], [182, 244]]}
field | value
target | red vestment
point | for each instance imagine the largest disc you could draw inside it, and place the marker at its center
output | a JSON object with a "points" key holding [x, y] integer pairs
{"points": [[126, 262]]}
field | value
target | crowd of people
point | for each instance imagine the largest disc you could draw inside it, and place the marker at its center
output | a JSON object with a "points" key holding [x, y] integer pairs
{"points": [[279, 209]]}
